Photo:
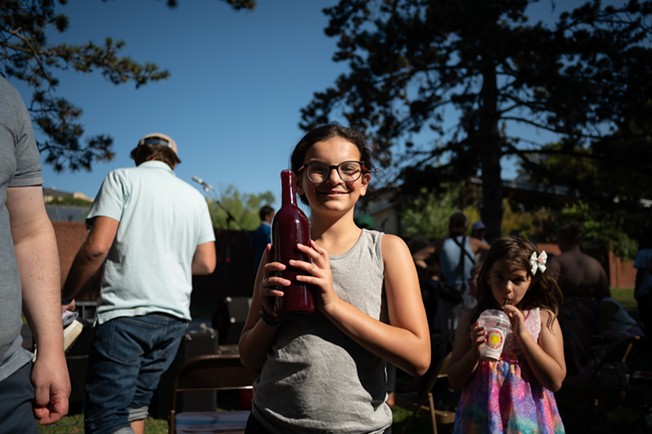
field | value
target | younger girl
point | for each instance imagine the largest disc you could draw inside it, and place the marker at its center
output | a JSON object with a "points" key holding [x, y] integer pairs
{"points": [[326, 372], [515, 393]]}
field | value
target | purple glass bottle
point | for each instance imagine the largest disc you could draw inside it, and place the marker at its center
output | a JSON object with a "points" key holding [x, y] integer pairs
{"points": [[289, 227]]}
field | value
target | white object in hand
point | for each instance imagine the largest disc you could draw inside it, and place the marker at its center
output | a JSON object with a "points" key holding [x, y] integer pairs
{"points": [[497, 325]]}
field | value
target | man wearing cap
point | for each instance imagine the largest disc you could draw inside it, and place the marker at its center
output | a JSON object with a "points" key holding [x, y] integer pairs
{"points": [[478, 230], [150, 231]]}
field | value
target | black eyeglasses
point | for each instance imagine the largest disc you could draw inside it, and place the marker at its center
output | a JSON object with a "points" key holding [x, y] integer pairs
{"points": [[319, 172], [155, 141]]}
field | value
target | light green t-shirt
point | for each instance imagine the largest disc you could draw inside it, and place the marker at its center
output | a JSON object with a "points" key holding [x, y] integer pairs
{"points": [[162, 221]]}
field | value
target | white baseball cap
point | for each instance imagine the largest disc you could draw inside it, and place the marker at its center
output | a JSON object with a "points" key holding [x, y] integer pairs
{"points": [[159, 139]]}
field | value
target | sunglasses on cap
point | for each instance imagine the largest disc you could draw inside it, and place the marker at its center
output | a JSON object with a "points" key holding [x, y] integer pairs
{"points": [[155, 140]]}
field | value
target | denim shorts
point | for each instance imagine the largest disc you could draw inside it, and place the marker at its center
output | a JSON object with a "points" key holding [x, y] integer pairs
{"points": [[16, 399], [127, 359]]}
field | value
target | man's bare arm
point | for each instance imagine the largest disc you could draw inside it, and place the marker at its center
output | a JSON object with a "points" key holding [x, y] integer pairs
{"points": [[37, 256], [91, 255]]}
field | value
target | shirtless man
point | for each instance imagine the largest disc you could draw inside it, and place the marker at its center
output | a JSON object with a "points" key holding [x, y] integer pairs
{"points": [[584, 283]]}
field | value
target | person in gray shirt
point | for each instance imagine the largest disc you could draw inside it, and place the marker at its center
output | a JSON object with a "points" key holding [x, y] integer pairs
{"points": [[29, 281]]}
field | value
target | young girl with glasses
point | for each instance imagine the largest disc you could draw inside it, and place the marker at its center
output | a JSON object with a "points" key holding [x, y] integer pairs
{"points": [[515, 392], [327, 372]]}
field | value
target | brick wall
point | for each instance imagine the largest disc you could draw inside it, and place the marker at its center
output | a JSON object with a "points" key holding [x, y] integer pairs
{"points": [[70, 236], [233, 276], [621, 272]]}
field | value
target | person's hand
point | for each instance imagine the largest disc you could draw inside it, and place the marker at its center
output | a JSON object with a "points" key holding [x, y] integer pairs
{"points": [[51, 388], [270, 283], [71, 306], [516, 319], [319, 275], [478, 336]]}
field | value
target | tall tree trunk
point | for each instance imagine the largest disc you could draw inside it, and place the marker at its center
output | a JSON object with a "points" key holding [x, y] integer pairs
{"points": [[490, 152]]}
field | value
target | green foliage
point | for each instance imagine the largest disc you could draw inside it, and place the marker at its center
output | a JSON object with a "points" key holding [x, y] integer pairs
{"points": [[537, 226], [613, 176], [427, 215], [26, 55], [243, 207], [603, 228], [447, 89]]}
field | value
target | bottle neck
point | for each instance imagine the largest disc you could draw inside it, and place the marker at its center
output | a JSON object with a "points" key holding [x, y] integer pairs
{"points": [[288, 188]]}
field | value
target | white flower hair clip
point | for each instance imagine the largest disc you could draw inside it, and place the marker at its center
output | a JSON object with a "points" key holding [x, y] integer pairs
{"points": [[538, 263]]}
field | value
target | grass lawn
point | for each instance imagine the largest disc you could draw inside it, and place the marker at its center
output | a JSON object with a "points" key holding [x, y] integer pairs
{"points": [[625, 297], [74, 424]]}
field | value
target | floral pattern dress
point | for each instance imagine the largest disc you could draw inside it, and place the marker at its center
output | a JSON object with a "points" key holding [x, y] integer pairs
{"points": [[504, 397]]}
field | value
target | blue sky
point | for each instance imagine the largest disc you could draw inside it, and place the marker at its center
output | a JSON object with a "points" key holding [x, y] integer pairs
{"points": [[238, 81]]}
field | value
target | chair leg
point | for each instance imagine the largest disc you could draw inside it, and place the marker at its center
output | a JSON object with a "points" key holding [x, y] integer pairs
{"points": [[172, 429], [433, 416]]}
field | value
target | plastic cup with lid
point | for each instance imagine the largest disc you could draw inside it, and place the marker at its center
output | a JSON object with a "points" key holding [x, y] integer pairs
{"points": [[497, 325]]}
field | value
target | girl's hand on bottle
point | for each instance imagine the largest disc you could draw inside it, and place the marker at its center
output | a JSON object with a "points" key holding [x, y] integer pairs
{"points": [[516, 319], [271, 281], [319, 274]]}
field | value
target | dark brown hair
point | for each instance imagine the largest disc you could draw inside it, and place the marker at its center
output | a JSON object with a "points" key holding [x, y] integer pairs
{"points": [[150, 152], [265, 211], [570, 233], [325, 132], [544, 292]]}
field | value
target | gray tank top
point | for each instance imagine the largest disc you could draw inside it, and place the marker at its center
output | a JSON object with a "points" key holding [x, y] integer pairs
{"points": [[315, 378]]}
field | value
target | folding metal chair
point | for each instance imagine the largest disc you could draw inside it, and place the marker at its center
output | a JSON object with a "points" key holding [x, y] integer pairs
{"points": [[427, 399], [213, 372]]}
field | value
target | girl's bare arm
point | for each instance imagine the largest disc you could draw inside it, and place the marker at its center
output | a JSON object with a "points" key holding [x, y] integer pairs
{"points": [[546, 357], [466, 354], [405, 341], [257, 336]]}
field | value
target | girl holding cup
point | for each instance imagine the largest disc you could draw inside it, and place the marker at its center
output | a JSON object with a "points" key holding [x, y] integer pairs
{"points": [[516, 392]]}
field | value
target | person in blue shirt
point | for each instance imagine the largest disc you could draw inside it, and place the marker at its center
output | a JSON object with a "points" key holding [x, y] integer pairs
{"points": [[263, 234], [643, 286]]}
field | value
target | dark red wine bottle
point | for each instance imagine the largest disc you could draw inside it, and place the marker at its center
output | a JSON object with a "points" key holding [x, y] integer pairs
{"points": [[289, 227]]}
